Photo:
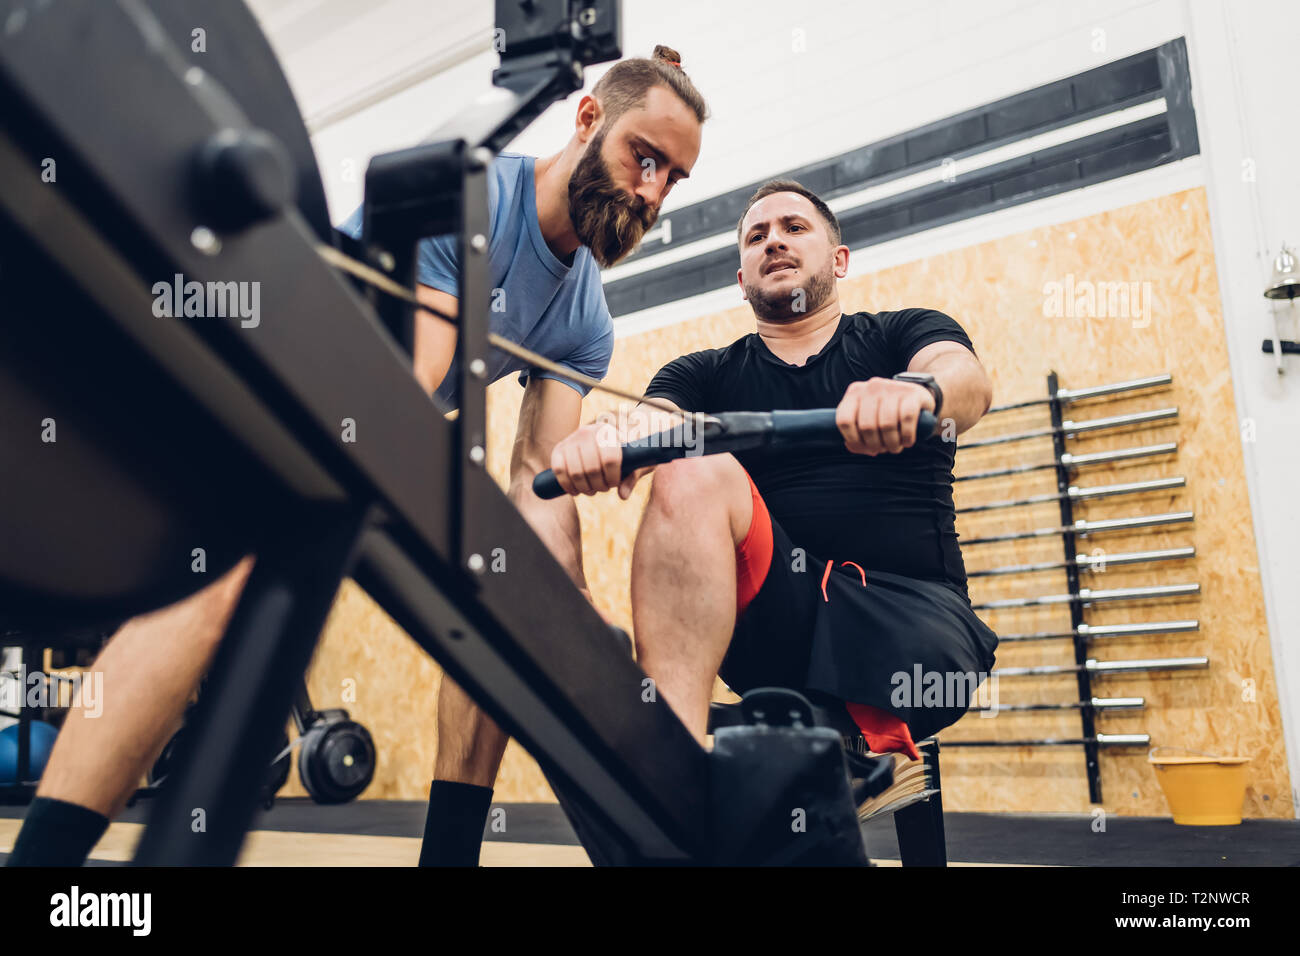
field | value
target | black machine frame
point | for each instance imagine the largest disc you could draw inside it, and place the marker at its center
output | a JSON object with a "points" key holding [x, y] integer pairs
{"points": [[401, 517]]}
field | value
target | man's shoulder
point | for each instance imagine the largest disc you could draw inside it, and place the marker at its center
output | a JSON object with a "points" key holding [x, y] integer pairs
{"points": [[868, 327], [895, 316], [507, 170], [721, 355], [698, 367], [511, 165], [898, 316], [509, 181]]}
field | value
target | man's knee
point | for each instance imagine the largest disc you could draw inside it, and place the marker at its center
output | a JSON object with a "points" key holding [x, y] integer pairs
{"points": [[200, 620], [710, 482]]}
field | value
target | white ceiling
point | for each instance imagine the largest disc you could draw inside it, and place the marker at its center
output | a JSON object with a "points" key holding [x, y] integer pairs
{"points": [[342, 56]]}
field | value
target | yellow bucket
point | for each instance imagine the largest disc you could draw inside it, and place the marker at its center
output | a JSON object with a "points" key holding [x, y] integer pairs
{"points": [[1203, 790]]}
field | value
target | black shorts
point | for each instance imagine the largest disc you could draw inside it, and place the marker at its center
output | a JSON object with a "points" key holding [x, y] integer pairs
{"points": [[859, 635]]}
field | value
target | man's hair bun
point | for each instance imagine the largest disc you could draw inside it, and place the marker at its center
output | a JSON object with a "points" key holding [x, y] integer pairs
{"points": [[668, 55], [625, 84]]}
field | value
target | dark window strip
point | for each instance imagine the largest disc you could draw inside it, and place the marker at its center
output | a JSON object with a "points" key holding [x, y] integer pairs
{"points": [[1124, 83], [1144, 144]]}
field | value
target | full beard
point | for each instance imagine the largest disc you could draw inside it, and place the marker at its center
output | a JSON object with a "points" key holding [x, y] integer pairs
{"points": [[775, 306], [605, 219]]}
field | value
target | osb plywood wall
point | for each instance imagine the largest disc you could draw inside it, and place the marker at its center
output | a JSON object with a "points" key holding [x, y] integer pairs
{"points": [[1173, 324]]}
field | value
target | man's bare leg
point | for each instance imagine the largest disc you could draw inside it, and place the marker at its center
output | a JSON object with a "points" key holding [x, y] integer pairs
{"points": [[470, 744], [150, 668], [684, 579], [470, 747]]}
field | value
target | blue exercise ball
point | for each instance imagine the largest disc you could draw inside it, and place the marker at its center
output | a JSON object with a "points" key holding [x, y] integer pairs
{"points": [[42, 738]]}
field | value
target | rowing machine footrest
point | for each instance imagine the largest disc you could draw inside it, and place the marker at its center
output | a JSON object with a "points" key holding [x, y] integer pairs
{"points": [[779, 788], [871, 776], [775, 710]]}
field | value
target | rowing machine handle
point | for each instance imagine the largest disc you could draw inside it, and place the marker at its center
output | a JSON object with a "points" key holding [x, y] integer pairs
{"points": [[818, 425], [636, 454], [788, 427]]}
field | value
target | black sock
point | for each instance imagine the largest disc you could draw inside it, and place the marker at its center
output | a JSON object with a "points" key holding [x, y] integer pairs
{"points": [[453, 830], [56, 833]]}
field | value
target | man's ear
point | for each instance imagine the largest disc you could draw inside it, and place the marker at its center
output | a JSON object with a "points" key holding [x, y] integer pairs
{"points": [[740, 280], [841, 261], [588, 118]]}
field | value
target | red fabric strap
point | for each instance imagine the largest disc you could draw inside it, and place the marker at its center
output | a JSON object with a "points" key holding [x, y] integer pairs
{"points": [[883, 732]]}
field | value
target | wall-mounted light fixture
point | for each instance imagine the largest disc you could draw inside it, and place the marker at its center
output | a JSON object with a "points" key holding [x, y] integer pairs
{"points": [[1285, 284]]}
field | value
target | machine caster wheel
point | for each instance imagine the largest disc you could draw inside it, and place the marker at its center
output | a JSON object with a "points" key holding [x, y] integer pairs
{"points": [[336, 759]]}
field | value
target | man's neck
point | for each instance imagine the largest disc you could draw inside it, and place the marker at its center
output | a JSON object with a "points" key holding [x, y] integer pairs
{"points": [[551, 186], [796, 342]]}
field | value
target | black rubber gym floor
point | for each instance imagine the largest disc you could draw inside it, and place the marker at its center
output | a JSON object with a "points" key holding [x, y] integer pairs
{"points": [[1043, 839]]}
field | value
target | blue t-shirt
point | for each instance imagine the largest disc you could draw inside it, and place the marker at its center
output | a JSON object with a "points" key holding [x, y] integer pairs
{"points": [[536, 300]]}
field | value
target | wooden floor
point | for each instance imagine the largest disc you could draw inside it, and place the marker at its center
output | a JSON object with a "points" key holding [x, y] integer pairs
{"points": [[280, 848], [298, 832], [284, 848]]}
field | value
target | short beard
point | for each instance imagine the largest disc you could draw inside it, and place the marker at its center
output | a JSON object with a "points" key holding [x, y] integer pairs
{"points": [[780, 306], [605, 219]]}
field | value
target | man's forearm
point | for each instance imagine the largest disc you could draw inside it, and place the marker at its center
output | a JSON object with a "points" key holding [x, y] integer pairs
{"points": [[966, 391]]}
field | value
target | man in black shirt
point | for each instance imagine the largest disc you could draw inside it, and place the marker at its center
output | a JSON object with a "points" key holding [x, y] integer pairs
{"points": [[835, 569]]}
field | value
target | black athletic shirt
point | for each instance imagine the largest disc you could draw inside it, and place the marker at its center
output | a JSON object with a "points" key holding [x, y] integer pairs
{"points": [[888, 512]]}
